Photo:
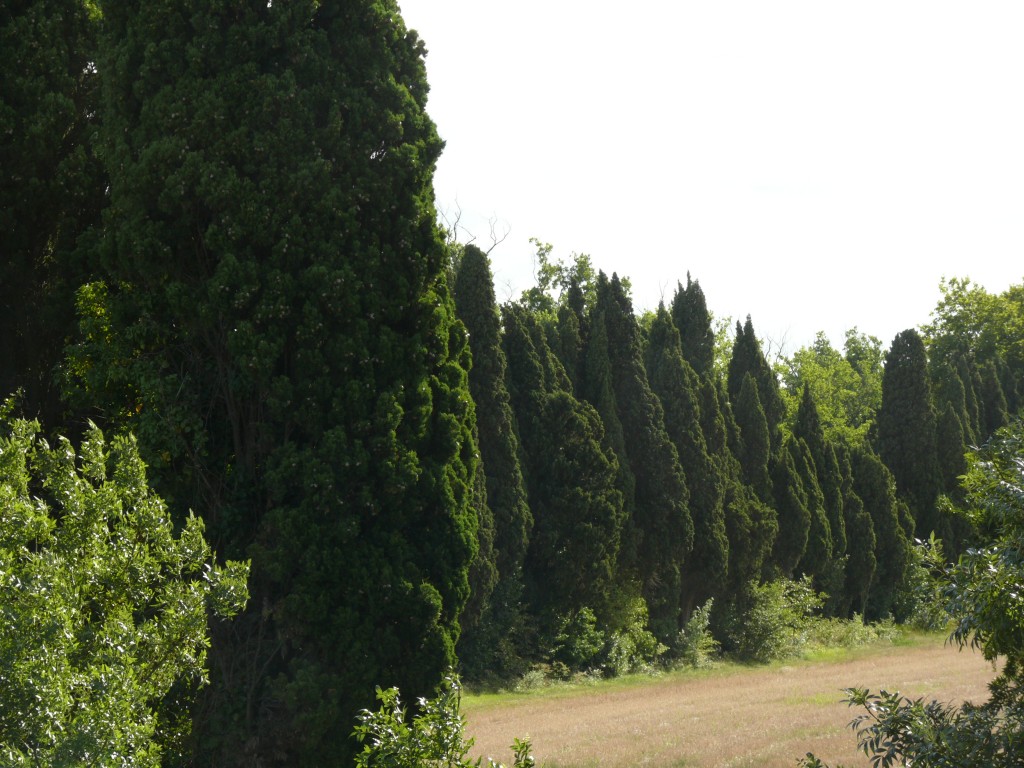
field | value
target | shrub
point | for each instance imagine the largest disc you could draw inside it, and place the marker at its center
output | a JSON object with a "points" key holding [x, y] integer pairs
{"points": [[772, 622], [633, 648], [433, 737], [694, 646], [578, 642]]}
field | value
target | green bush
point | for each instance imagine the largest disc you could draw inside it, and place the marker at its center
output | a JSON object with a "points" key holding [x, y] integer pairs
{"points": [[772, 622], [919, 602], [578, 642], [633, 648], [104, 609], [695, 646], [432, 738]]}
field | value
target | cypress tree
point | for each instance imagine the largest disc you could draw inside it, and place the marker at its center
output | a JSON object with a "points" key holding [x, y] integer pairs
{"points": [[794, 514], [822, 460], [279, 334], [51, 188], [993, 400], [817, 557], [952, 450], [968, 374], [571, 483], [693, 320], [861, 544], [875, 486], [906, 429], [755, 447], [675, 384], [499, 449], [747, 358], [661, 525]]}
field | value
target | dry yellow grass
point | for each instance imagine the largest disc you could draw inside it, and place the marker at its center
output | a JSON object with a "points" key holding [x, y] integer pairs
{"points": [[764, 717]]}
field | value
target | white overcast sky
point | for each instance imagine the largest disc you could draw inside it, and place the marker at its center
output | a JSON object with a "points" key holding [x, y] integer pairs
{"points": [[818, 165]]}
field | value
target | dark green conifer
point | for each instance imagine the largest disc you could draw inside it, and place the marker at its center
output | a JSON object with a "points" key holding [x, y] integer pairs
{"points": [[861, 545], [747, 358], [661, 528], [993, 400], [817, 560], [571, 479], [794, 515], [874, 485], [755, 446], [968, 374], [693, 320], [276, 328], [906, 429], [675, 384], [499, 450]]}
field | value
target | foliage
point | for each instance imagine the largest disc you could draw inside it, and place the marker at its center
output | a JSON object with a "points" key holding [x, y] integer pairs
{"points": [[434, 737], [281, 338], [634, 648], [846, 398], [919, 600], [772, 620], [578, 641], [982, 594], [51, 187], [695, 646], [906, 430], [104, 609]]}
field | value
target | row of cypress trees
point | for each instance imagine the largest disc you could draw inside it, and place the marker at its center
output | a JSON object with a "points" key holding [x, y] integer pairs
{"points": [[621, 459]]}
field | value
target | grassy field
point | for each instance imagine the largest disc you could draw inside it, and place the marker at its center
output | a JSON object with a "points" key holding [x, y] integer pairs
{"points": [[729, 716]]}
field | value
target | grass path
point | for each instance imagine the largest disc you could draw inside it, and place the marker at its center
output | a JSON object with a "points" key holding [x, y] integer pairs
{"points": [[729, 717]]}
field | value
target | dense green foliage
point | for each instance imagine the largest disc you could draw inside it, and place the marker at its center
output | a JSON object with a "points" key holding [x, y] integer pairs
{"points": [[104, 607], [981, 596], [219, 236]]}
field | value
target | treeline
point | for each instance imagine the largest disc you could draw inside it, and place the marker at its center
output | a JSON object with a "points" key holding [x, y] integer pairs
{"points": [[640, 466], [219, 236]]}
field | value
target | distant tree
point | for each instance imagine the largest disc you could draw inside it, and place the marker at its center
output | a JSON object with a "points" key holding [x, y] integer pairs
{"points": [[105, 606], [816, 560], [846, 400], [906, 430], [993, 400]]}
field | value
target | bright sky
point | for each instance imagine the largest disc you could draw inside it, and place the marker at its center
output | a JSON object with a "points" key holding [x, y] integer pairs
{"points": [[818, 165]]}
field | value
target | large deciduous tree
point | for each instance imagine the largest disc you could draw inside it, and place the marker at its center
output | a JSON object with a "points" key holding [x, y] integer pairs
{"points": [[275, 325]]}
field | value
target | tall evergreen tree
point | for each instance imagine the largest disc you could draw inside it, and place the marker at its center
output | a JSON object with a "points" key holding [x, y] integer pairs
{"points": [[874, 485], [499, 449], [747, 358], [794, 514], [906, 429], [661, 526], [861, 544], [51, 188], [571, 479], [693, 320], [822, 459], [755, 443], [675, 384], [993, 400], [276, 328]]}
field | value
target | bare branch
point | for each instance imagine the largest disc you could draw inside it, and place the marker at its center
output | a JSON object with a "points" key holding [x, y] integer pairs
{"points": [[495, 240]]}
